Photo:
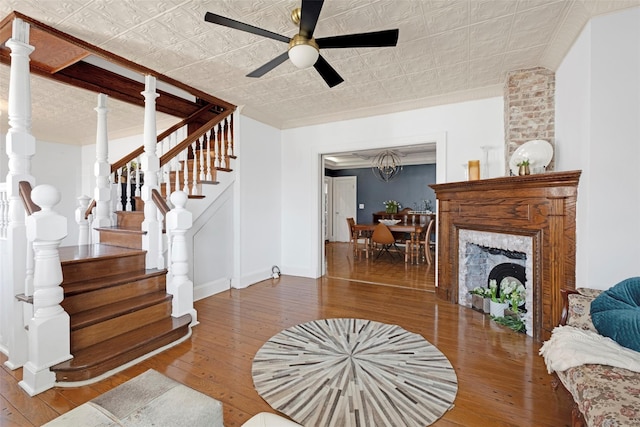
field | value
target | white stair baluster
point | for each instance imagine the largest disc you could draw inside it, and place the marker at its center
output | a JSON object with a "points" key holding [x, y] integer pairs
{"points": [[119, 191], [209, 176], [137, 182], [185, 171], [128, 206], [203, 140], [177, 180], [194, 172]]}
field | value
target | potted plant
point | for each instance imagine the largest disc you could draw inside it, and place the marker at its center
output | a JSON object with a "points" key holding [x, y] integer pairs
{"points": [[523, 167], [477, 298], [516, 297], [498, 302], [391, 206]]}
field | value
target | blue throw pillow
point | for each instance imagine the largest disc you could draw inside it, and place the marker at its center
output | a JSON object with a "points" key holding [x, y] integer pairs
{"points": [[616, 313]]}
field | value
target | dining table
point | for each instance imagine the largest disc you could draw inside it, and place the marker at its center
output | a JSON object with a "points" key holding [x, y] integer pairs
{"points": [[415, 231]]}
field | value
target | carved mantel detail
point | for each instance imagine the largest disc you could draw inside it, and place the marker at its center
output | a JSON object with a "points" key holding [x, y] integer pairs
{"points": [[541, 206]]}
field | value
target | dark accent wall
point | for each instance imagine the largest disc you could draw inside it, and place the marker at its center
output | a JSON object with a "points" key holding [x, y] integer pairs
{"points": [[410, 188]]}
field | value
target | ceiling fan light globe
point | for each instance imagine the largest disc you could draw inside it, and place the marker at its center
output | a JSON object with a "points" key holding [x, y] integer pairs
{"points": [[303, 55]]}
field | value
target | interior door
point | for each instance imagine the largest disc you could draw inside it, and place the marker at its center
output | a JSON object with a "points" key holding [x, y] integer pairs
{"points": [[344, 206]]}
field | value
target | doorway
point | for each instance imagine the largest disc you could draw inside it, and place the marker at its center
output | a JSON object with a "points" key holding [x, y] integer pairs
{"points": [[367, 199]]}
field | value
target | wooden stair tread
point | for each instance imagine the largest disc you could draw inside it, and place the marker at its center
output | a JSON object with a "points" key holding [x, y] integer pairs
{"points": [[111, 311], [100, 358], [121, 229], [87, 253], [105, 282]]}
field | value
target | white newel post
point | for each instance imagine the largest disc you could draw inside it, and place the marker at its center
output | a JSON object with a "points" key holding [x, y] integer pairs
{"points": [[179, 221], [150, 166], [20, 148], [82, 221], [102, 171], [49, 330]]}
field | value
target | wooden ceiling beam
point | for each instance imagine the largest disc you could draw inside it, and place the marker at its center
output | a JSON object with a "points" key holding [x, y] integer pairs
{"points": [[59, 56]]}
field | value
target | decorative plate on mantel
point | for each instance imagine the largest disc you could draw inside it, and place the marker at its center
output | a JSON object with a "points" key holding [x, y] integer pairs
{"points": [[539, 153]]}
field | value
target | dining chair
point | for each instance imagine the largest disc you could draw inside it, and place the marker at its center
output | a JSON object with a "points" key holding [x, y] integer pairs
{"points": [[355, 238], [425, 246], [384, 237]]}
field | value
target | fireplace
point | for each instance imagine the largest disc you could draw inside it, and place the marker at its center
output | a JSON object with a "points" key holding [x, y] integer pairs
{"points": [[531, 217]]}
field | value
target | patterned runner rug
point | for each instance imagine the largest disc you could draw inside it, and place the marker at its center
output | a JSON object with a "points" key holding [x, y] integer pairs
{"points": [[354, 372]]}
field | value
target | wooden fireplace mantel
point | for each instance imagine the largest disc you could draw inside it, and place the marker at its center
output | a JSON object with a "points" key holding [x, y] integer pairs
{"points": [[541, 206]]}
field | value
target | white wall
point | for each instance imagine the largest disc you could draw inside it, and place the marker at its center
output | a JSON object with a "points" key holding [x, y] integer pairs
{"points": [[258, 196], [211, 248], [598, 131], [59, 165], [458, 129]]}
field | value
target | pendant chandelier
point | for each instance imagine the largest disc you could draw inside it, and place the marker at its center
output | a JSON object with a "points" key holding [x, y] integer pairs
{"points": [[386, 165]]}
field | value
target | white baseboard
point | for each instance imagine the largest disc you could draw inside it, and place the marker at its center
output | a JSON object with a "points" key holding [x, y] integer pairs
{"points": [[207, 289]]}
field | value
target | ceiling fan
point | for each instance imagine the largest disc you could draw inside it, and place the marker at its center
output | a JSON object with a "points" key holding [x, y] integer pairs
{"points": [[303, 48]]}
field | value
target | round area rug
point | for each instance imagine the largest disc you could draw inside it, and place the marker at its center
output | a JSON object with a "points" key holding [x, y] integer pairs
{"points": [[354, 372]]}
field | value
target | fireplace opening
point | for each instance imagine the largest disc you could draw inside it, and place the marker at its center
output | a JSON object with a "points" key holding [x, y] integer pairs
{"points": [[512, 272], [484, 255]]}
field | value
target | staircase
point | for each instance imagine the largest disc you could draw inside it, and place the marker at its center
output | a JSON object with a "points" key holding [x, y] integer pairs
{"points": [[118, 309]]}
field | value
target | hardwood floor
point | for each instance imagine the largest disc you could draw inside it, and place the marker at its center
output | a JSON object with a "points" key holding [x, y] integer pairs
{"points": [[501, 379], [340, 264]]}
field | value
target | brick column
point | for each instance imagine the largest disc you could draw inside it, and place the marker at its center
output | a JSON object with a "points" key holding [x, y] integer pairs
{"points": [[529, 104]]}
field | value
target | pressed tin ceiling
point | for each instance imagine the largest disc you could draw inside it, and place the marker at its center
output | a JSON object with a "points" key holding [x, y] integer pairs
{"points": [[448, 51]]}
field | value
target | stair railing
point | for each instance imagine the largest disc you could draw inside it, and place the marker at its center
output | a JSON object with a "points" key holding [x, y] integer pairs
{"points": [[208, 148]]}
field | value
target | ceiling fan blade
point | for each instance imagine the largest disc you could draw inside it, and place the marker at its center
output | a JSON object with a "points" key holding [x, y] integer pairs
{"points": [[269, 65], [326, 71], [373, 39], [237, 25], [309, 17]]}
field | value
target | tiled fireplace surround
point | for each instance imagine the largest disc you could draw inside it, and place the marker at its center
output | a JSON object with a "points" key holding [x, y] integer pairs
{"points": [[534, 211]]}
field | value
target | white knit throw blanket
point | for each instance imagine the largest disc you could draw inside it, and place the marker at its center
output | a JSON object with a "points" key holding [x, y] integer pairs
{"points": [[569, 347]]}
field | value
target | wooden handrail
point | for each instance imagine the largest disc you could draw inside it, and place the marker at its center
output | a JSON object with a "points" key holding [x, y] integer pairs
{"points": [[193, 136], [160, 203], [140, 150], [90, 208], [24, 188]]}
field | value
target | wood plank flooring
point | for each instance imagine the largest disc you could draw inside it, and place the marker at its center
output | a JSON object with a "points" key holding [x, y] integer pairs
{"points": [[501, 379]]}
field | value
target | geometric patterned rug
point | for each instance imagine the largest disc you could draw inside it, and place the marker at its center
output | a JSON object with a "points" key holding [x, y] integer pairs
{"points": [[354, 372]]}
